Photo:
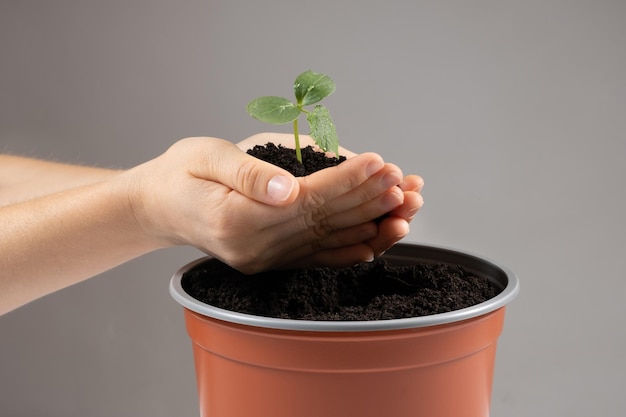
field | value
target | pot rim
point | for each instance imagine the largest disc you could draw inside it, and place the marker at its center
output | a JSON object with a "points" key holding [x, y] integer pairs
{"points": [[508, 293]]}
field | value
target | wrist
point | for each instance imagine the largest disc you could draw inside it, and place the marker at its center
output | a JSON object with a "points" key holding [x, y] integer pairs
{"points": [[133, 211]]}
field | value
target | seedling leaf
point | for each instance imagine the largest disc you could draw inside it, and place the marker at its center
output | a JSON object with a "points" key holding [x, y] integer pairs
{"points": [[311, 87], [273, 109], [323, 129]]}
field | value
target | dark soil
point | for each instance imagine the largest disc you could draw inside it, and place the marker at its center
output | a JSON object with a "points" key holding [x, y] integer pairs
{"points": [[369, 291], [285, 158]]}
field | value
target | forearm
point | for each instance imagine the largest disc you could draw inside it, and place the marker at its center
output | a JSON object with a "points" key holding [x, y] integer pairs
{"points": [[55, 241], [22, 178]]}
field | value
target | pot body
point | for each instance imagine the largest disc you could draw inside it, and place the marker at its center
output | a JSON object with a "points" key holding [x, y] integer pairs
{"points": [[435, 366]]}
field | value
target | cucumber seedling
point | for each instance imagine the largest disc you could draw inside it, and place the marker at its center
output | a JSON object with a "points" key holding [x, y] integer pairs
{"points": [[310, 88]]}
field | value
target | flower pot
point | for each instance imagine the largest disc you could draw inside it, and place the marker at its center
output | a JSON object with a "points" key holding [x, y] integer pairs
{"points": [[437, 366]]}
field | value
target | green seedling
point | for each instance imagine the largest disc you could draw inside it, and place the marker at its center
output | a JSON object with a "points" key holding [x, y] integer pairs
{"points": [[310, 88]]}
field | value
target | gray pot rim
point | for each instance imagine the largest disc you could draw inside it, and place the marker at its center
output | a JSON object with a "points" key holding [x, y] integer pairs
{"points": [[499, 274]]}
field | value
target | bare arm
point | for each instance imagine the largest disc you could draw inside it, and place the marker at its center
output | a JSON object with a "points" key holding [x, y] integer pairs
{"points": [[25, 178], [51, 242]]}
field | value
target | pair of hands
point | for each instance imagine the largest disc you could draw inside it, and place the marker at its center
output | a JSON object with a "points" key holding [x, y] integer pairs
{"points": [[256, 216]]}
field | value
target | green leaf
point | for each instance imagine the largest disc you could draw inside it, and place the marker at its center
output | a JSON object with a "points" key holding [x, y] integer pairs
{"points": [[323, 129], [274, 110], [311, 87]]}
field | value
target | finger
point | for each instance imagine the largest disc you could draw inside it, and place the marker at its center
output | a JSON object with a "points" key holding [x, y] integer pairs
{"points": [[346, 237], [412, 183], [330, 183], [390, 231], [413, 201], [382, 182], [391, 199], [225, 163], [308, 242]]}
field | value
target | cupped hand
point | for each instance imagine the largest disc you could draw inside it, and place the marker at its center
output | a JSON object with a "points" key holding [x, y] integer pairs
{"points": [[254, 216], [393, 227]]}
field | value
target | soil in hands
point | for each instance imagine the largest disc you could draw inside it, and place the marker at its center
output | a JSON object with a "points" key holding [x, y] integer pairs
{"points": [[368, 291], [312, 160]]}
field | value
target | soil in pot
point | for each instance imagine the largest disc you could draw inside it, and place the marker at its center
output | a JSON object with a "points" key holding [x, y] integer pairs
{"points": [[369, 291]]}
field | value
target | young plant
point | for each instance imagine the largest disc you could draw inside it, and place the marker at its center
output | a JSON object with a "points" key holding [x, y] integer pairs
{"points": [[310, 88]]}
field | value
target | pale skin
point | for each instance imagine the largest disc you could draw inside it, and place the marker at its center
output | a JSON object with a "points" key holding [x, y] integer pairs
{"points": [[61, 224]]}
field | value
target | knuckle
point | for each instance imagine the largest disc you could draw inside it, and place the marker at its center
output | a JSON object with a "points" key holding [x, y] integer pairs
{"points": [[247, 177], [316, 214], [312, 201], [319, 225]]}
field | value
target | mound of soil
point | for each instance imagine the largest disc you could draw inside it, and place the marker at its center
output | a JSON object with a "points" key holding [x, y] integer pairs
{"points": [[369, 291], [312, 161]]}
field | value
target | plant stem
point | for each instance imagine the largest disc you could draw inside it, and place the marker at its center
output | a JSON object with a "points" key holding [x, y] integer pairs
{"points": [[296, 137]]}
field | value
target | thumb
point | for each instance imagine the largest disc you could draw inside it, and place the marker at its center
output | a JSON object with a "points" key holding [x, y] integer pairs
{"points": [[250, 176]]}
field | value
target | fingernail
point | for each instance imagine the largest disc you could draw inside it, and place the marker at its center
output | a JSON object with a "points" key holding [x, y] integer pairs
{"points": [[279, 188]]}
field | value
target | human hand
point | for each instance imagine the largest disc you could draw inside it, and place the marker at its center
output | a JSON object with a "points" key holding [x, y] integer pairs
{"points": [[207, 193], [395, 225]]}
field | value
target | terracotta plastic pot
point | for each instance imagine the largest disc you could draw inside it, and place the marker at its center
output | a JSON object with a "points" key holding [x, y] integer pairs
{"points": [[435, 366]]}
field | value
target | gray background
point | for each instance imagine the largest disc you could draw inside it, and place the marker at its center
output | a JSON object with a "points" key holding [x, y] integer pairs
{"points": [[514, 112]]}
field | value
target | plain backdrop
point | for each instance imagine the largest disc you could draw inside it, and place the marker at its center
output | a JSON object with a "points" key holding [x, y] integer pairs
{"points": [[514, 112]]}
